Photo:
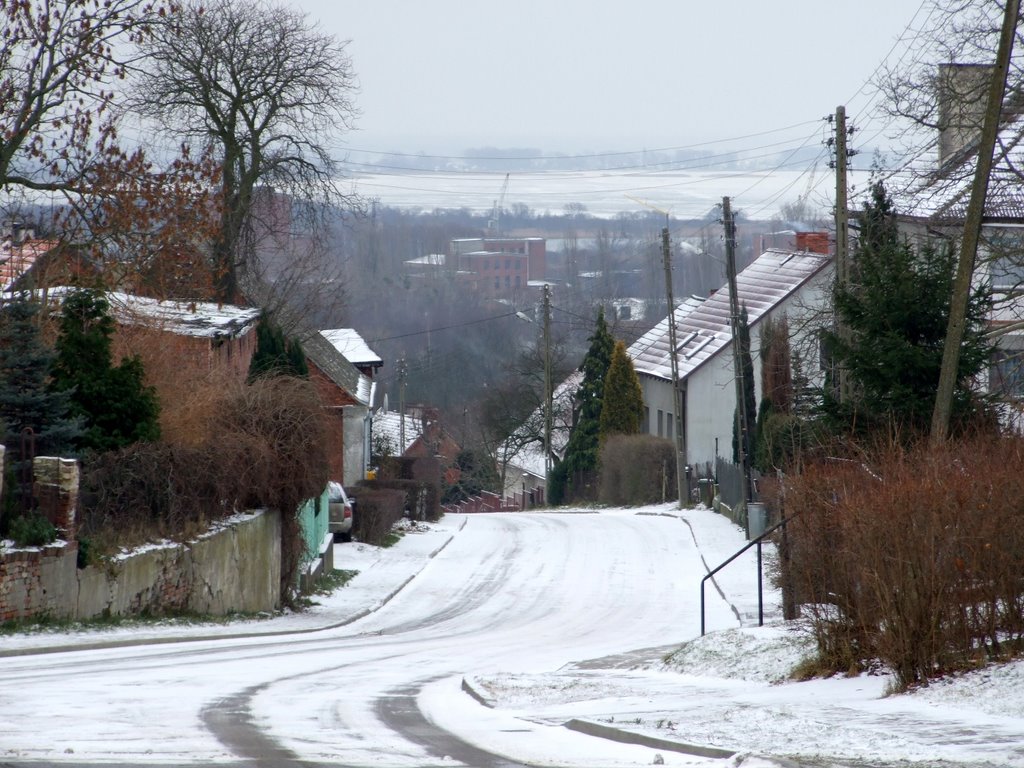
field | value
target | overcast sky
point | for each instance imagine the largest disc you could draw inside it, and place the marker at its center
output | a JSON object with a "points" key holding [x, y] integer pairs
{"points": [[599, 75]]}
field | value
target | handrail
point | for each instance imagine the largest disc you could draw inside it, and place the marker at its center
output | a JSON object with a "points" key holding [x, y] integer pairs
{"points": [[760, 587]]}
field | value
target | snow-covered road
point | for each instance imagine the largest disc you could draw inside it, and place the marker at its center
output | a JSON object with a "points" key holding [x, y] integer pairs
{"points": [[510, 593], [514, 609]]}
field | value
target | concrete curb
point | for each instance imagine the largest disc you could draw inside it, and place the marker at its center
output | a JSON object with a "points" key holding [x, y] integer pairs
{"points": [[628, 737], [619, 735], [468, 687]]}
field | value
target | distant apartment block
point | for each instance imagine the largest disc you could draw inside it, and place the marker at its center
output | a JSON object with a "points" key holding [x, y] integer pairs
{"points": [[491, 266], [500, 264]]}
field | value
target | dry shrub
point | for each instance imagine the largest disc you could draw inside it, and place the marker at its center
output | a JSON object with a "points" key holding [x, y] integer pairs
{"points": [[262, 445], [377, 510], [913, 557], [422, 499], [637, 469]]}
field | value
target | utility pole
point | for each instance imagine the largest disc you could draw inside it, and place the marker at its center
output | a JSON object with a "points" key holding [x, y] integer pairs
{"points": [[972, 229], [548, 395], [842, 231], [401, 406], [678, 390], [734, 317]]}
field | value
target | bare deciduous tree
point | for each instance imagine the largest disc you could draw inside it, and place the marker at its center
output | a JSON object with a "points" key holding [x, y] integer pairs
{"points": [[269, 91], [58, 60]]}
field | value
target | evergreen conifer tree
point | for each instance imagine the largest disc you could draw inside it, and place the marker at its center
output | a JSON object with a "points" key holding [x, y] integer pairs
{"points": [[896, 309], [114, 403], [581, 452], [275, 355], [26, 399], [623, 403]]}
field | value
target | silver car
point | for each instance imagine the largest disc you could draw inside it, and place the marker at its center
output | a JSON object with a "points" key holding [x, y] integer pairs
{"points": [[340, 511]]}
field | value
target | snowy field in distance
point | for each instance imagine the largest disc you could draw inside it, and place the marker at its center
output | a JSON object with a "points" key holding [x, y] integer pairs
{"points": [[755, 194]]}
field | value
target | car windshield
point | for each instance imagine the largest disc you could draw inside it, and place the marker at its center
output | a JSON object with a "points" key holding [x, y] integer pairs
{"points": [[335, 493]]}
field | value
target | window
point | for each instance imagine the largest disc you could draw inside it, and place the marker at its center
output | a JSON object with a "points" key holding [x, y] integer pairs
{"points": [[661, 425], [668, 426], [645, 428], [508, 264], [519, 282], [497, 283], [1006, 376]]}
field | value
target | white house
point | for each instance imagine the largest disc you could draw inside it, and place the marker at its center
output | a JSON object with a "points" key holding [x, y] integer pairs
{"points": [[791, 283], [932, 204]]}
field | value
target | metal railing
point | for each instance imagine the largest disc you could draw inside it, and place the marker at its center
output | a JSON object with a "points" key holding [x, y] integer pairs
{"points": [[760, 578]]}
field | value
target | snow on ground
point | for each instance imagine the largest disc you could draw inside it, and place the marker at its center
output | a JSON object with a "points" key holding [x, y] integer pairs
{"points": [[728, 690]]}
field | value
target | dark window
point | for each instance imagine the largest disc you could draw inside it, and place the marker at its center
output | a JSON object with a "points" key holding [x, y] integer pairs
{"points": [[1006, 376]]}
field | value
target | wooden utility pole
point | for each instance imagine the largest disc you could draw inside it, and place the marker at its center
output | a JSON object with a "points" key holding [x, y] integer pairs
{"points": [[734, 321], [972, 229], [842, 235], [401, 406], [678, 392], [548, 395]]}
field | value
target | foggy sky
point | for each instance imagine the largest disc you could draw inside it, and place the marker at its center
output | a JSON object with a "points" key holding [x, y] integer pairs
{"points": [[598, 75]]}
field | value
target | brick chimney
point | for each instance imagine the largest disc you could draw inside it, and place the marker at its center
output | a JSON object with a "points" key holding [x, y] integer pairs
{"points": [[814, 242]]}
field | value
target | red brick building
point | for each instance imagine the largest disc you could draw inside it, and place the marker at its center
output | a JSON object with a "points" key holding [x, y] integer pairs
{"points": [[500, 265]]}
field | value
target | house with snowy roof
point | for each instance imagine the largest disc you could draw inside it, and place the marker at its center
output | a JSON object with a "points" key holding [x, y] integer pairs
{"points": [[778, 283], [932, 205], [522, 464], [176, 336], [355, 349], [348, 397]]}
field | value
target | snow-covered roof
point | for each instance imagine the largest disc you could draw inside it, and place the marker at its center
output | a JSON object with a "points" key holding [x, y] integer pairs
{"points": [[336, 367], [15, 260], [703, 327], [201, 319], [942, 193], [530, 458], [387, 425], [352, 346], [431, 259]]}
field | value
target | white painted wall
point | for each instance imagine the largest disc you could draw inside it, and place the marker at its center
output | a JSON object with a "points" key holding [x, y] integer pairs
{"points": [[711, 389]]}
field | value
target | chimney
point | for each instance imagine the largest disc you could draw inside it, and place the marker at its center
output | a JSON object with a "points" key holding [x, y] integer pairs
{"points": [[814, 242], [962, 89]]}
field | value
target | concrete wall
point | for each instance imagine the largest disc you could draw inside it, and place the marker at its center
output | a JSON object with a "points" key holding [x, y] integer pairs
{"points": [[234, 569]]}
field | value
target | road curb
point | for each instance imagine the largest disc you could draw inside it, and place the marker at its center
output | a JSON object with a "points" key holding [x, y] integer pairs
{"points": [[629, 737], [468, 687]]}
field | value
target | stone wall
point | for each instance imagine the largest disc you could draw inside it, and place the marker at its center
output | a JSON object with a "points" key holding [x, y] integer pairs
{"points": [[236, 568]]}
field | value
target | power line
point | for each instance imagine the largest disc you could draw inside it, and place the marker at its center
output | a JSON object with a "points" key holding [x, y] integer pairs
{"points": [[585, 156], [443, 328]]}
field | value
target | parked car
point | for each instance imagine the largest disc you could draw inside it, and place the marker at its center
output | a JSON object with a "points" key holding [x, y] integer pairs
{"points": [[341, 511]]}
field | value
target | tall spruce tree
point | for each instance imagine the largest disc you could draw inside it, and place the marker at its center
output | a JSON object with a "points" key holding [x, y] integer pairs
{"points": [[26, 400], [114, 403], [896, 308], [622, 408], [582, 450], [276, 355]]}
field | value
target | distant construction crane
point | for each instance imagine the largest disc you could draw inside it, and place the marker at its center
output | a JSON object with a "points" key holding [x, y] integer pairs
{"points": [[494, 225]]}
